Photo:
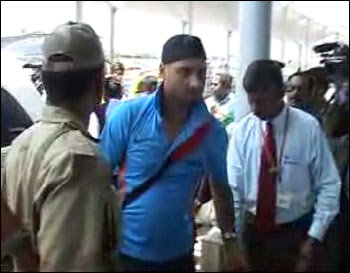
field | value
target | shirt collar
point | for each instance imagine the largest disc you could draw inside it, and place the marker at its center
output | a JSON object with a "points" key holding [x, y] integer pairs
{"points": [[53, 114], [224, 99], [278, 122]]}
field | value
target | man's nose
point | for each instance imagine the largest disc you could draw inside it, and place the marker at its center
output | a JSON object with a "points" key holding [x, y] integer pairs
{"points": [[195, 82]]}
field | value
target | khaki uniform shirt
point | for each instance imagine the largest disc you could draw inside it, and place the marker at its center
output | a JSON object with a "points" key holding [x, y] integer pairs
{"points": [[65, 197]]}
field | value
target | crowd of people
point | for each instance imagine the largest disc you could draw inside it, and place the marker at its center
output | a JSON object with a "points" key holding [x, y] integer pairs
{"points": [[125, 197]]}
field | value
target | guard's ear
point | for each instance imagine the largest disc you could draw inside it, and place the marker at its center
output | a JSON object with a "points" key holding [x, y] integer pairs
{"points": [[282, 92], [161, 69], [99, 81]]}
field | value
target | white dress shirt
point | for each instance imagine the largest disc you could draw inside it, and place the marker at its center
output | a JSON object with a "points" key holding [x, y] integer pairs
{"points": [[308, 175]]}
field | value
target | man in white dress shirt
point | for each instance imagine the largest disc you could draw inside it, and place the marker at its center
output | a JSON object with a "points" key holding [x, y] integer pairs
{"points": [[285, 182]]}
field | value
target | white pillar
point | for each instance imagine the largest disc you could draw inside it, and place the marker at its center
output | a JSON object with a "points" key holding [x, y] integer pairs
{"points": [[307, 44], [283, 49], [255, 40], [324, 34], [283, 35], [337, 36], [190, 17], [300, 54], [184, 26], [113, 12], [79, 11], [228, 52], [187, 21]]}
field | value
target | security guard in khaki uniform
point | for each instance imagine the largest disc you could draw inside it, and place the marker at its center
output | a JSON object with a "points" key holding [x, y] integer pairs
{"points": [[55, 179]]}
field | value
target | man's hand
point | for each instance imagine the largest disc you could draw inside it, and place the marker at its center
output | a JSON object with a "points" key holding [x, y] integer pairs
{"points": [[234, 258], [309, 253]]}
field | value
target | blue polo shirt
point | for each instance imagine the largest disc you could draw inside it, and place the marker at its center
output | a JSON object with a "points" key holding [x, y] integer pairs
{"points": [[157, 226]]}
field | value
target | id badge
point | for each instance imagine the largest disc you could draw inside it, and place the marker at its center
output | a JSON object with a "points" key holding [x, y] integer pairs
{"points": [[284, 200]]}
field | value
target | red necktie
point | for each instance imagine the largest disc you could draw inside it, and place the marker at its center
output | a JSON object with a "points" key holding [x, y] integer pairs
{"points": [[267, 192]]}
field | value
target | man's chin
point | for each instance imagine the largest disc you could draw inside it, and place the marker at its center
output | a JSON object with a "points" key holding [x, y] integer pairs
{"points": [[295, 103], [261, 116], [197, 100]]}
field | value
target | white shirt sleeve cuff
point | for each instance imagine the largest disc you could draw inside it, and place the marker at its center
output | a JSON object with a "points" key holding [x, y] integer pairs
{"points": [[318, 230]]}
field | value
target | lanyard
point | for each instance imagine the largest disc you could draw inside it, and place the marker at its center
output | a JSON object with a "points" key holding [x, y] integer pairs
{"points": [[277, 166]]}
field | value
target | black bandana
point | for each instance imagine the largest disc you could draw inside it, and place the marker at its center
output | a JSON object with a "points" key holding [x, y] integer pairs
{"points": [[180, 47]]}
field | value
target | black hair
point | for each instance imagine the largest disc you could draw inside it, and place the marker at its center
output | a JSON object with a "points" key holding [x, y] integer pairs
{"points": [[319, 74], [113, 89], [306, 75], [262, 74], [226, 78], [296, 74], [183, 46], [118, 67], [68, 87]]}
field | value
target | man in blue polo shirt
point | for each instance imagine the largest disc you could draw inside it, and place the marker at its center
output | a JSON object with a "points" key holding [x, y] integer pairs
{"points": [[139, 138]]}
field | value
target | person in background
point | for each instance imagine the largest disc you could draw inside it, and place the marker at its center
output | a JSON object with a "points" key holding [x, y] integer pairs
{"points": [[320, 87], [149, 84], [300, 93], [112, 97], [145, 84], [221, 103], [117, 72]]}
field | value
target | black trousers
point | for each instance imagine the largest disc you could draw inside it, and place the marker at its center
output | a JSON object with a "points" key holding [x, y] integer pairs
{"points": [[337, 241], [184, 263], [344, 238], [278, 251]]}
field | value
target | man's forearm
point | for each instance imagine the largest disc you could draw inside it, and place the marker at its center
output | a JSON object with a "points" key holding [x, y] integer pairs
{"points": [[224, 206], [204, 194]]}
